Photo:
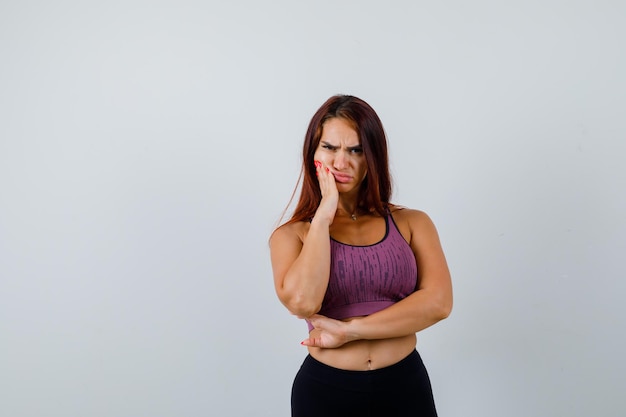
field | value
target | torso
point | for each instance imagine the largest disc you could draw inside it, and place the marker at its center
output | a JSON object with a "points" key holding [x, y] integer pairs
{"points": [[366, 354]]}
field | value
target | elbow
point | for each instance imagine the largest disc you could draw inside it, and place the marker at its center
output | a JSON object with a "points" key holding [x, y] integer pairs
{"points": [[443, 308], [303, 311], [444, 311], [301, 307]]}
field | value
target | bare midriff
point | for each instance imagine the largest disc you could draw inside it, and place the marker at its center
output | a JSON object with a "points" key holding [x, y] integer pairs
{"points": [[365, 355]]}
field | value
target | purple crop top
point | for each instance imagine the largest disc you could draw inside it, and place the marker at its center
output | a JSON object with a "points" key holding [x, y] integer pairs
{"points": [[367, 279]]}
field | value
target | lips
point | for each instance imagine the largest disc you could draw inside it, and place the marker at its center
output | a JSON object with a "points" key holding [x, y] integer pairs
{"points": [[342, 178]]}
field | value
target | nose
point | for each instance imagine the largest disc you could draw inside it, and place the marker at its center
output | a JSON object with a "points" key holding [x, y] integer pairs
{"points": [[340, 161]]}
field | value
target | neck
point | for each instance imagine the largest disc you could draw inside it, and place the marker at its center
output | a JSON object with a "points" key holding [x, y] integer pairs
{"points": [[347, 205], [352, 212]]}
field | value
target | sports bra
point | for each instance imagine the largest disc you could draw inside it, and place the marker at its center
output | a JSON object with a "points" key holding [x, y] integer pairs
{"points": [[367, 279]]}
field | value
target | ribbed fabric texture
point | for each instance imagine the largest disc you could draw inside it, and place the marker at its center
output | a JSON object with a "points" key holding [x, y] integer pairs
{"points": [[367, 279]]}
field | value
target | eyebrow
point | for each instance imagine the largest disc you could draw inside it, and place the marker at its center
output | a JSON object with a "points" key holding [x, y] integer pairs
{"points": [[350, 148]]}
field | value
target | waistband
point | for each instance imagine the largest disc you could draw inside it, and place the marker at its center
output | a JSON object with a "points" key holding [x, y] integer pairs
{"points": [[363, 380]]}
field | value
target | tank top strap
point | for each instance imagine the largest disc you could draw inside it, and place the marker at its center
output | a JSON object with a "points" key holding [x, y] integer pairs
{"points": [[392, 228]]}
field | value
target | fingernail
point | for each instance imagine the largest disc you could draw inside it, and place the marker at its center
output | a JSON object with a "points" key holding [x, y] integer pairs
{"points": [[327, 169], [317, 164]]}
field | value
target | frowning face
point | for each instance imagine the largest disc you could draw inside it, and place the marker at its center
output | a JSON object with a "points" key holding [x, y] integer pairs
{"points": [[340, 150]]}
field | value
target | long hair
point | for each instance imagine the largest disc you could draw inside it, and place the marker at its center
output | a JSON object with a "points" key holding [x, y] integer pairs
{"points": [[375, 190]]}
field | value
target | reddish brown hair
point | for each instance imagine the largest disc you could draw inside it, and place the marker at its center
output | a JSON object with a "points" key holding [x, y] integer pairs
{"points": [[375, 191]]}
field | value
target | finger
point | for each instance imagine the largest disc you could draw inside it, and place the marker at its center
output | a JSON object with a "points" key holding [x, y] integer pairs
{"points": [[316, 321], [326, 179], [318, 165], [323, 170], [322, 174], [311, 342]]}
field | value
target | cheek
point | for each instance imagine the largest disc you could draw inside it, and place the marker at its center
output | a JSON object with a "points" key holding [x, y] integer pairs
{"points": [[364, 169], [319, 156]]}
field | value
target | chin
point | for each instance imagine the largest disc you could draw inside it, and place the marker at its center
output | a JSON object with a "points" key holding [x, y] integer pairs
{"points": [[345, 187]]}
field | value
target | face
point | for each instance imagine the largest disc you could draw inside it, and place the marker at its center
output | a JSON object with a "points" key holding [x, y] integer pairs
{"points": [[340, 150]]}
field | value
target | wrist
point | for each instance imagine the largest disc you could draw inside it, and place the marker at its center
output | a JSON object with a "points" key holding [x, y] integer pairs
{"points": [[353, 330], [320, 221]]}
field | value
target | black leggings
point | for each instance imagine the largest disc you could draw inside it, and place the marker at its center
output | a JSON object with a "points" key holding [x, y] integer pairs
{"points": [[402, 389]]}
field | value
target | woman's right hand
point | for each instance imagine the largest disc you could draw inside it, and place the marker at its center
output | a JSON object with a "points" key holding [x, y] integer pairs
{"points": [[330, 195], [301, 253]]}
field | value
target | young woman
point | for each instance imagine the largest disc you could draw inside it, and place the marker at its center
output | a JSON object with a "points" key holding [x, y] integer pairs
{"points": [[365, 274]]}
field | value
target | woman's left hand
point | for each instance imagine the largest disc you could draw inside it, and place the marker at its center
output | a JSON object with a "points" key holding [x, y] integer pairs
{"points": [[327, 333]]}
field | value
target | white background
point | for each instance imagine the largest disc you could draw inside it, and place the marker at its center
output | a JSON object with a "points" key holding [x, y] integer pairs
{"points": [[148, 148]]}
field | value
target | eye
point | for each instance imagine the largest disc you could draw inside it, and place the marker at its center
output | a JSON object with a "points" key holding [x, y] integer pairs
{"points": [[356, 150], [329, 147]]}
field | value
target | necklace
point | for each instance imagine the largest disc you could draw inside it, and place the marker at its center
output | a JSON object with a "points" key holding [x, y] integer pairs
{"points": [[352, 215]]}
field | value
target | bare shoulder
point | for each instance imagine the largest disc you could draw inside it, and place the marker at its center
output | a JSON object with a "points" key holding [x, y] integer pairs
{"points": [[289, 233], [412, 217], [413, 224]]}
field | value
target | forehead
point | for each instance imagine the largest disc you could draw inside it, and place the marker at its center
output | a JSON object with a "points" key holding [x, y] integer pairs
{"points": [[340, 130]]}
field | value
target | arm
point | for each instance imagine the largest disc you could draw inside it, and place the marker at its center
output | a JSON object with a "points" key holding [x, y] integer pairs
{"points": [[301, 267], [301, 259], [430, 303]]}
